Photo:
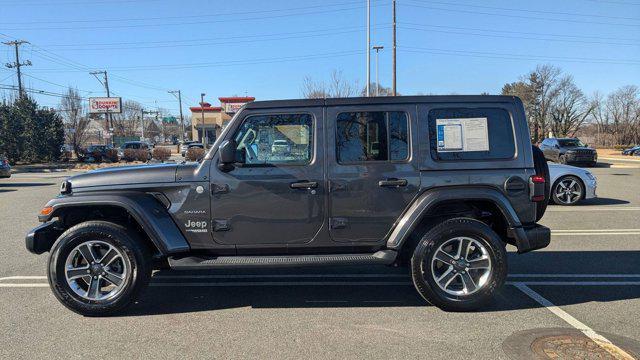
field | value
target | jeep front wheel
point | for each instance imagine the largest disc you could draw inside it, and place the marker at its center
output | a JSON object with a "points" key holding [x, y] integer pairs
{"points": [[459, 265], [97, 268]]}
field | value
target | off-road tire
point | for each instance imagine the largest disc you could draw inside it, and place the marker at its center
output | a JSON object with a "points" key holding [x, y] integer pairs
{"points": [[426, 285], [127, 241]]}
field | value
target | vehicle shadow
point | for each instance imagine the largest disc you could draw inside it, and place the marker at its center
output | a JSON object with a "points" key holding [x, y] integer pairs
{"points": [[172, 292], [24, 184], [603, 201]]}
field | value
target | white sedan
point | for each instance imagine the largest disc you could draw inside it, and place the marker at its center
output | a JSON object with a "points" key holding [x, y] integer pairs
{"points": [[570, 184]]}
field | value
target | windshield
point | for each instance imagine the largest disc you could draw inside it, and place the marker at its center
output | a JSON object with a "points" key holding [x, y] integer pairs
{"points": [[571, 143]]}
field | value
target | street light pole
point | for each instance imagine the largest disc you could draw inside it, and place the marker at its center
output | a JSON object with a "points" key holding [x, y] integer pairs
{"points": [[393, 86], [377, 49], [368, 47], [203, 138]]}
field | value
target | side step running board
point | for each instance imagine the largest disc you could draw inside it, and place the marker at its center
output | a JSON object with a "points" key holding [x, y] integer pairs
{"points": [[382, 257]]}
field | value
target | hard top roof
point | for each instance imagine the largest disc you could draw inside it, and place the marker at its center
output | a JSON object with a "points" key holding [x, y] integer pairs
{"points": [[380, 100]]}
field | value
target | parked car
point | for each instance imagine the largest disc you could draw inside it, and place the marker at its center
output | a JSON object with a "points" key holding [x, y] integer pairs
{"points": [[568, 151], [445, 206], [185, 146], [280, 147], [136, 145], [99, 153], [635, 150], [5, 168], [571, 184]]}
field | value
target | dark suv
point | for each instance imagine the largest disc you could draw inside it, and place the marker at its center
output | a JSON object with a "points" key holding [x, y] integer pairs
{"points": [[568, 151], [440, 184]]}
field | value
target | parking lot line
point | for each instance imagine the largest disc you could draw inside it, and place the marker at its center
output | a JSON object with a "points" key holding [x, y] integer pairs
{"points": [[595, 232], [603, 342], [593, 208]]}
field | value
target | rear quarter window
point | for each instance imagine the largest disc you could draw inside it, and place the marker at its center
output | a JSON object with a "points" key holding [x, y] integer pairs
{"points": [[500, 135]]}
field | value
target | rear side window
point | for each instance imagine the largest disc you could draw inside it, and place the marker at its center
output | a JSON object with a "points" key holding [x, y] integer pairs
{"points": [[471, 134], [372, 136]]}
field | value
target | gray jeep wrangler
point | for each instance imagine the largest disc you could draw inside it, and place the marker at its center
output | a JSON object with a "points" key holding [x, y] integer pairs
{"points": [[440, 184]]}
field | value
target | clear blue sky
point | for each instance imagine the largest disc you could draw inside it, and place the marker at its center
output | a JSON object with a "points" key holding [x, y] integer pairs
{"points": [[266, 48]]}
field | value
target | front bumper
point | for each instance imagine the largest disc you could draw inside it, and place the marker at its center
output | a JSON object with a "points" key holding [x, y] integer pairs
{"points": [[41, 238], [581, 158], [531, 238], [590, 189], [5, 172]]}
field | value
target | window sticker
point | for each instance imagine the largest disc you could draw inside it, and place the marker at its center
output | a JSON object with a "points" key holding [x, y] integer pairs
{"points": [[470, 134]]}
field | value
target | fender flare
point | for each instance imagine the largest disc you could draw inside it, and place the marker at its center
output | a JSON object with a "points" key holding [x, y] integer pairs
{"points": [[144, 208], [430, 198]]}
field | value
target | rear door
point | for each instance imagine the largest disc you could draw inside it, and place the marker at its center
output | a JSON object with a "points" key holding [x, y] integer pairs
{"points": [[372, 173]]}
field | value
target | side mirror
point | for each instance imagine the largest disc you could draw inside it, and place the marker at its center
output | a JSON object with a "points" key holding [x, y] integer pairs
{"points": [[227, 155]]}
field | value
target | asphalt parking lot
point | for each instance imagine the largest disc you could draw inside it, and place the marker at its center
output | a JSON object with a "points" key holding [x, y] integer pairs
{"points": [[586, 282]]}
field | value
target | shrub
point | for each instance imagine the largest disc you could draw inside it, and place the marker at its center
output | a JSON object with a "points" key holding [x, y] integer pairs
{"points": [[136, 155], [621, 147], [111, 155], [161, 154], [194, 154]]}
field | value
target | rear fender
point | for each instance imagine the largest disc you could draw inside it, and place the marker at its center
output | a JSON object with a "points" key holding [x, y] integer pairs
{"points": [[431, 198]]}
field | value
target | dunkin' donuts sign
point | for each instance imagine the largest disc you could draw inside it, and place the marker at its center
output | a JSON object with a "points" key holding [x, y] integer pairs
{"points": [[103, 105]]}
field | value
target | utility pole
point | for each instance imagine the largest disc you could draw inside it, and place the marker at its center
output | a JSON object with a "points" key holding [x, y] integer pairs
{"points": [[377, 49], [393, 86], [368, 47], [18, 64], [203, 137], [174, 92], [106, 86]]}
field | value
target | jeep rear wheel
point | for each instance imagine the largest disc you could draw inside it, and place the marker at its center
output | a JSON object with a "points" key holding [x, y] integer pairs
{"points": [[459, 265], [97, 268]]}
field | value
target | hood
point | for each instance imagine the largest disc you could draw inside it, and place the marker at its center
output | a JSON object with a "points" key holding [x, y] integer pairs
{"points": [[126, 175]]}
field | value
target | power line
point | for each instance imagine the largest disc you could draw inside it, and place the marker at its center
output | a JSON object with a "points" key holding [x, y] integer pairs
{"points": [[516, 16], [190, 16], [223, 63], [510, 56], [528, 10], [191, 23], [466, 33]]}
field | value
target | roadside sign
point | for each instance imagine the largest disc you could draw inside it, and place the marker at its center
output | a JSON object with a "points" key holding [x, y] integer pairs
{"points": [[104, 105]]}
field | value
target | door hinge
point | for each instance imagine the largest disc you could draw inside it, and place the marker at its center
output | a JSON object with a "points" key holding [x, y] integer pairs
{"points": [[338, 223], [221, 225], [219, 188]]}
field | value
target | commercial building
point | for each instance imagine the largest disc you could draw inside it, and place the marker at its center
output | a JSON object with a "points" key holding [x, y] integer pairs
{"points": [[208, 121]]}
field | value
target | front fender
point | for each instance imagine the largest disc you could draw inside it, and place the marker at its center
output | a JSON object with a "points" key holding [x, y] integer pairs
{"points": [[431, 198], [144, 208]]}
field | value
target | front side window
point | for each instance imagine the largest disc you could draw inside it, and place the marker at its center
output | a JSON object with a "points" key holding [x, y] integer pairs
{"points": [[276, 139], [372, 136]]}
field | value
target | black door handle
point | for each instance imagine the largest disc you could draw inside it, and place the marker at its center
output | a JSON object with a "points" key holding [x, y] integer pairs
{"points": [[304, 185], [393, 182]]}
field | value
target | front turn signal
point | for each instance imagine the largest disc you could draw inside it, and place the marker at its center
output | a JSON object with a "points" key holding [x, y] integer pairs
{"points": [[46, 210]]}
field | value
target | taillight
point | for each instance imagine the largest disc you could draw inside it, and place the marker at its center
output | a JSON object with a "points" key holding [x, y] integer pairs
{"points": [[536, 187]]}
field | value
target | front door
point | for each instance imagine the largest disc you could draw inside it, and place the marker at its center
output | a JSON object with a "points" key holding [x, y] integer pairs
{"points": [[275, 193], [372, 173]]}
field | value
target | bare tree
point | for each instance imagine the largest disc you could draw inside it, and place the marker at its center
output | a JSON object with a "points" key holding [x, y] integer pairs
{"points": [[75, 120], [538, 91], [313, 90], [338, 87], [569, 108], [126, 123], [623, 114]]}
